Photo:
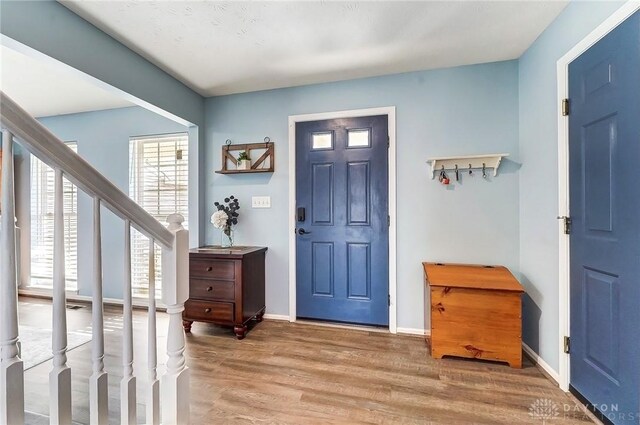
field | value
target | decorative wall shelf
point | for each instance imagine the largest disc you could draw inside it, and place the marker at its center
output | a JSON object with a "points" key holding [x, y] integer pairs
{"points": [[464, 163], [264, 152]]}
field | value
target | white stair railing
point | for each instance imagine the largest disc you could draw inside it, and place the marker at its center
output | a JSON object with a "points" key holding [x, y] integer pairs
{"points": [[171, 395]]}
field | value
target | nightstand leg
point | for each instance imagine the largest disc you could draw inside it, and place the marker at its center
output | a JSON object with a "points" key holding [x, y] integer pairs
{"points": [[187, 325], [240, 331]]}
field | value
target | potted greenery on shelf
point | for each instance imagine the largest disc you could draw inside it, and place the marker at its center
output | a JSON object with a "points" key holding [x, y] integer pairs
{"points": [[244, 162]]}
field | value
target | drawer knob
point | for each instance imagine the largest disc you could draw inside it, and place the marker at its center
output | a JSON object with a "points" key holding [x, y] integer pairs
{"points": [[209, 268], [209, 288], [207, 310]]}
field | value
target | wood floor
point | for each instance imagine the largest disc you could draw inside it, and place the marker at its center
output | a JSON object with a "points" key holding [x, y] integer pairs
{"points": [[285, 373]]}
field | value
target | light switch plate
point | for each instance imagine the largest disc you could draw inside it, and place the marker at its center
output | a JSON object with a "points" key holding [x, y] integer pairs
{"points": [[261, 202]]}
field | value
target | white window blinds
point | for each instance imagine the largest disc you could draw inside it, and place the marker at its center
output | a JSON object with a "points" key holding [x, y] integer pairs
{"points": [[42, 205], [158, 181]]}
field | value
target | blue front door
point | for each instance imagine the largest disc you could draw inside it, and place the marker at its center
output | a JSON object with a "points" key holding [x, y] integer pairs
{"points": [[342, 229], [604, 166]]}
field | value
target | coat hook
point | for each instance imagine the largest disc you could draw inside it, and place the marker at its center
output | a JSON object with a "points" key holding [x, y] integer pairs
{"points": [[457, 174], [470, 170], [484, 171]]}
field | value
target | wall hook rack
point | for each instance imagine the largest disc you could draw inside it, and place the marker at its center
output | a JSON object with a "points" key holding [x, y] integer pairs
{"points": [[469, 162]]}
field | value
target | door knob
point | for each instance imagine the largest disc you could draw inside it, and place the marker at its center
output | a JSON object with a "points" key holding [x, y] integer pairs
{"points": [[301, 232]]}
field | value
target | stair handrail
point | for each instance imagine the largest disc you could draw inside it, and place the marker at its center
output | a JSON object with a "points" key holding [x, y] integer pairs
{"points": [[173, 389], [42, 143]]}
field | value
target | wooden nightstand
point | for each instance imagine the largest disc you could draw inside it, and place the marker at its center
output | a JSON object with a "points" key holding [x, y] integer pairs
{"points": [[226, 287], [475, 311]]}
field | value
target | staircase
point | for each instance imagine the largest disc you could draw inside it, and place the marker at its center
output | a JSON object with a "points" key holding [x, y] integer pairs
{"points": [[170, 396]]}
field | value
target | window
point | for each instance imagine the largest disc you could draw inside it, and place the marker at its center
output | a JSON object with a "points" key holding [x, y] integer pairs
{"points": [[158, 181], [42, 199]]}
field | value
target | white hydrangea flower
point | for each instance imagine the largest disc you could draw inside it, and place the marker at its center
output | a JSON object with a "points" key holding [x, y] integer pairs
{"points": [[219, 219]]}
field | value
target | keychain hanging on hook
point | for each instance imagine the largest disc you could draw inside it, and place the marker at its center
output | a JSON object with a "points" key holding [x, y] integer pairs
{"points": [[443, 177]]}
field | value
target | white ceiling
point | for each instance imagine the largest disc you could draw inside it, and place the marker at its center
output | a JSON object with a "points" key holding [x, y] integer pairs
{"points": [[230, 47], [44, 90]]}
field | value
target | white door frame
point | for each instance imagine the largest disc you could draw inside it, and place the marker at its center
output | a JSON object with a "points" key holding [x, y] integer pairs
{"points": [[602, 30], [390, 111]]}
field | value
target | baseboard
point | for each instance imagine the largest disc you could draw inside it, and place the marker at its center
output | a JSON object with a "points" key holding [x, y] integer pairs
{"points": [[140, 303], [539, 361], [413, 331], [270, 316]]}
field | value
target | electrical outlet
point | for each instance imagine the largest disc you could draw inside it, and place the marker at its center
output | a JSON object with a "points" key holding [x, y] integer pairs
{"points": [[261, 202]]}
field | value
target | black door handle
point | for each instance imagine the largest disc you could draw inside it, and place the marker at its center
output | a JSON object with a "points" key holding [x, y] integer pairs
{"points": [[301, 232]]}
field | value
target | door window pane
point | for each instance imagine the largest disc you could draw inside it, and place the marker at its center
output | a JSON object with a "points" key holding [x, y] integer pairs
{"points": [[358, 138], [322, 140]]}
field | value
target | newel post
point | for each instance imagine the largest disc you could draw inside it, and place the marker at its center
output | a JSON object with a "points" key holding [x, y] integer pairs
{"points": [[175, 291], [11, 367]]}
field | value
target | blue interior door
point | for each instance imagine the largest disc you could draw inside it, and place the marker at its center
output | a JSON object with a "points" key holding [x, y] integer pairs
{"points": [[342, 230], [604, 149]]}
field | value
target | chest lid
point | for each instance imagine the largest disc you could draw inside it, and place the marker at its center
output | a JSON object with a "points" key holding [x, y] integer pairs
{"points": [[471, 276]]}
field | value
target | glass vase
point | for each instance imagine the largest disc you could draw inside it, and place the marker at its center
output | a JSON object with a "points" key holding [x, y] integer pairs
{"points": [[226, 237]]}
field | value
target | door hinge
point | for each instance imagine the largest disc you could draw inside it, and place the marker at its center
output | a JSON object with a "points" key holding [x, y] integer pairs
{"points": [[388, 221], [388, 141], [565, 107], [389, 300], [567, 344], [567, 224]]}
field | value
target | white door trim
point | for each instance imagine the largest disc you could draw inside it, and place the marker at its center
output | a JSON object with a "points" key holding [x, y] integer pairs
{"points": [[293, 119], [602, 30]]}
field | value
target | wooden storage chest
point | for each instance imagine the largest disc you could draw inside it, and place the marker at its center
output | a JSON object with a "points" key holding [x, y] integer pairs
{"points": [[226, 287], [475, 312]]}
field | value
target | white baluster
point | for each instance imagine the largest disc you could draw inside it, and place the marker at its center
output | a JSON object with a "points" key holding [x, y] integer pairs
{"points": [[175, 291], [11, 368], [153, 398], [128, 384], [98, 382], [60, 375]]}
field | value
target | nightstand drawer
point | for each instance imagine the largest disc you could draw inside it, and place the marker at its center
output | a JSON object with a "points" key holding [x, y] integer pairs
{"points": [[210, 289], [213, 269], [209, 311]]}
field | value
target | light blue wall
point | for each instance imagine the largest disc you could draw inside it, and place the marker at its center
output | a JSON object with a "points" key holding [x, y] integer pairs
{"points": [[53, 30], [103, 140], [457, 111], [539, 172]]}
